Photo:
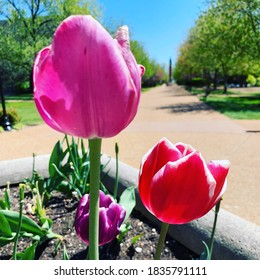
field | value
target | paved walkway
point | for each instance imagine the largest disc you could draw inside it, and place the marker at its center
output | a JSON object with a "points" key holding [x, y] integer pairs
{"points": [[173, 113]]}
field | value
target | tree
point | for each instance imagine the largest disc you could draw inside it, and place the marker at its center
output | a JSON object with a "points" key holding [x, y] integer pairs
{"points": [[154, 73], [224, 42], [243, 16], [29, 26]]}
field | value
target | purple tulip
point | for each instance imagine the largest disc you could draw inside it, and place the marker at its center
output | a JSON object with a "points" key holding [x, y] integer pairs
{"points": [[111, 216], [86, 83]]}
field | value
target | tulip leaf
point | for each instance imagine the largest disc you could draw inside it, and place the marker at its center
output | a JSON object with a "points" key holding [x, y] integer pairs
{"points": [[136, 238], [46, 223], [6, 240], [5, 229], [28, 225], [2, 204], [30, 235], [124, 228], [65, 255], [83, 149], [205, 253], [29, 253], [7, 199], [55, 158], [128, 201]]}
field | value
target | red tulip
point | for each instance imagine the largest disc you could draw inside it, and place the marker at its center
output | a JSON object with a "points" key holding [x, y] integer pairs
{"points": [[177, 186], [86, 83]]}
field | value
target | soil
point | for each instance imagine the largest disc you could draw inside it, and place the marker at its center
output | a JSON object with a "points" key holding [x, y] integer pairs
{"points": [[62, 211]]}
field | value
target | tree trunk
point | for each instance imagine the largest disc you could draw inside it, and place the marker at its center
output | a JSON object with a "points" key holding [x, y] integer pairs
{"points": [[225, 84], [215, 79]]}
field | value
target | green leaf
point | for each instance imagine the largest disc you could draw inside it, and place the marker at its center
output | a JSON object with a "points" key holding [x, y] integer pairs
{"points": [[28, 225], [7, 199], [29, 253], [46, 223], [52, 235], [56, 158], [67, 180], [5, 229], [30, 235], [2, 204], [136, 238], [41, 186], [83, 149], [6, 240], [124, 228], [65, 255], [205, 253], [128, 201]]}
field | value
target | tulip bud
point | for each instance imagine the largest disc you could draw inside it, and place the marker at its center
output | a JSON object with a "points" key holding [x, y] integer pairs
{"points": [[111, 216]]}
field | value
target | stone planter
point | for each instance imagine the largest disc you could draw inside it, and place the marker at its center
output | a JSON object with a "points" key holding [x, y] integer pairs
{"points": [[236, 238]]}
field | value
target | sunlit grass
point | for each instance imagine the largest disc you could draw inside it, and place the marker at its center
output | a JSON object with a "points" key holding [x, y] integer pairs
{"points": [[26, 111], [236, 106]]}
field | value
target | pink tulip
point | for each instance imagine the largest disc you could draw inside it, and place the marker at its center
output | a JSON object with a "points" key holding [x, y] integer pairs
{"points": [[86, 83], [177, 186], [111, 216]]}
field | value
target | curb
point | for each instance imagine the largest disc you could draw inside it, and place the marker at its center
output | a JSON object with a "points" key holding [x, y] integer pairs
{"points": [[235, 239]]}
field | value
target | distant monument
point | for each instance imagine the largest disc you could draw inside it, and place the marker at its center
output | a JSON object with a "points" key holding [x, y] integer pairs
{"points": [[170, 73]]}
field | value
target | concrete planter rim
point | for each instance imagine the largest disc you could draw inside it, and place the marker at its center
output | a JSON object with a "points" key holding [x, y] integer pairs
{"points": [[236, 238]]}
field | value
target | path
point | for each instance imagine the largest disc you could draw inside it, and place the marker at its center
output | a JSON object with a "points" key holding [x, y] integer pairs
{"points": [[173, 113]]}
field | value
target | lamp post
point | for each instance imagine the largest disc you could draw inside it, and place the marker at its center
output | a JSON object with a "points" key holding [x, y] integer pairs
{"points": [[6, 124]]}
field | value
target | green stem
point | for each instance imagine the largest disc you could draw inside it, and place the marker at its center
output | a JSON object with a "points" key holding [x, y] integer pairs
{"points": [[19, 222], [116, 179], [94, 154], [213, 230], [160, 244], [33, 167]]}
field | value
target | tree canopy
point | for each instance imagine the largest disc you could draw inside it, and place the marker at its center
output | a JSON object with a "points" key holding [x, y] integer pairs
{"points": [[27, 26], [223, 44]]}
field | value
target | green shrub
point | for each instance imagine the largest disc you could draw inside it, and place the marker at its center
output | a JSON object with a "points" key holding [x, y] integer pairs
{"points": [[251, 80], [12, 114], [194, 82], [258, 81], [197, 82]]}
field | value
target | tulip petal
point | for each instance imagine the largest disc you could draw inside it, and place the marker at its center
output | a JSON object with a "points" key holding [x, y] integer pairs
{"points": [[154, 160], [40, 58], [104, 200], [185, 149], [136, 70], [110, 220], [82, 227], [219, 169], [181, 190], [82, 85], [103, 227], [83, 206]]}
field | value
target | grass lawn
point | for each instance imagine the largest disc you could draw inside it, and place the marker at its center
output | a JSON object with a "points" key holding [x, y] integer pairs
{"points": [[26, 111], [25, 96], [236, 105]]}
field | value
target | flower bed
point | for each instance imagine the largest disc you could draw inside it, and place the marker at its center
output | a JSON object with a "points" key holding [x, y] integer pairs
{"points": [[138, 244], [235, 237]]}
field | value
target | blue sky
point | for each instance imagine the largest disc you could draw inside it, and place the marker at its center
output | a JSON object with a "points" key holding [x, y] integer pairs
{"points": [[161, 25]]}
